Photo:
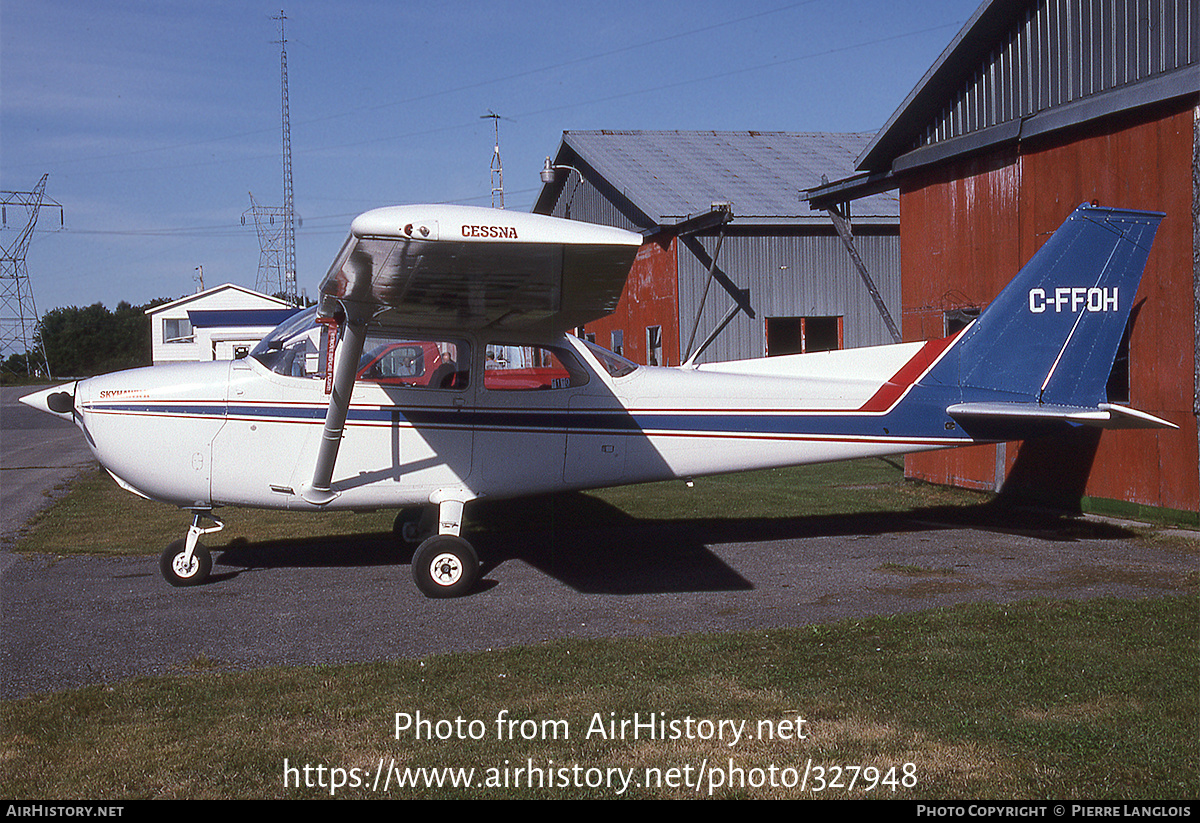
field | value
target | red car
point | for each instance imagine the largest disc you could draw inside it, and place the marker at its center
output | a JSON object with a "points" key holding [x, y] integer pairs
{"points": [[412, 363]]}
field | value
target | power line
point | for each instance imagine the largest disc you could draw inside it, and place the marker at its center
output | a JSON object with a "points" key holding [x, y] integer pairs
{"points": [[443, 92]]}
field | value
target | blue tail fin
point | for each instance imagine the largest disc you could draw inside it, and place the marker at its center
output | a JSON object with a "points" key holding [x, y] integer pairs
{"points": [[1051, 336]]}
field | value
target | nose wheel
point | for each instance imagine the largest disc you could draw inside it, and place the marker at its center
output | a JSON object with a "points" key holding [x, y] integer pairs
{"points": [[188, 562], [181, 569]]}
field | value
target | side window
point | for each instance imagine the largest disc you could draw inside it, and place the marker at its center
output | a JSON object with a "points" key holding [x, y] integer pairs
{"points": [[426, 364], [177, 330], [530, 368]]}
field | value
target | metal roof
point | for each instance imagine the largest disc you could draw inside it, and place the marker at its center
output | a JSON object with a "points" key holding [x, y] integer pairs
{"points": [[1014, 62], [1023, 68], [671, 176]]}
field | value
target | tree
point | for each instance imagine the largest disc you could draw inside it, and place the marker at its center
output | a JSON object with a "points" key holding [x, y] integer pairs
{"points": [[93, 340]]}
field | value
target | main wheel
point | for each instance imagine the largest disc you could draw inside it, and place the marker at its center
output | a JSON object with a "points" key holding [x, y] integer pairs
{"points": [[409, 524], [178, 573], [445, 566]]}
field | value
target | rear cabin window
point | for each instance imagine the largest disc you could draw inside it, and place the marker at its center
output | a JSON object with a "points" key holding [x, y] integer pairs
{"points": [[530, 368]]}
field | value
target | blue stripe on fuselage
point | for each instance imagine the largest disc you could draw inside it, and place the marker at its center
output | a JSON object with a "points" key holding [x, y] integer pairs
{"points": [[906, 420]]}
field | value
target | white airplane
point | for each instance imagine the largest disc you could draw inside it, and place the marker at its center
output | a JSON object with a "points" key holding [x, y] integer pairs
{"points": [[437, 369]]}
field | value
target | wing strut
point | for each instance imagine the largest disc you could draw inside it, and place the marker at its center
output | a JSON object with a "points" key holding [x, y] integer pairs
{"points": [[348, 354]]}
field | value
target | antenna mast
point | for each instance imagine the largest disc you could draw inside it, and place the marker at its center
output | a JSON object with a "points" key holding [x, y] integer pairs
{"points": [[289, 213], [497, 168], [18, 314], [276, 225]]}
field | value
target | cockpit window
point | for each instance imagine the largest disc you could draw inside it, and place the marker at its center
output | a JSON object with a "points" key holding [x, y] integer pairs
{"points": [[426, 364], [294, 347], [614, 364]]}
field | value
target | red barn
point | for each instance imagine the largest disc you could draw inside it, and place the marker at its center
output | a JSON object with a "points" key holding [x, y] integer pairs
{"points": [[1035, 107]]}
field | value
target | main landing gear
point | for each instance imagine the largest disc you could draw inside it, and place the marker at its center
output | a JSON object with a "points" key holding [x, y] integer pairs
{"points": [[444, 565], [187, 562]]}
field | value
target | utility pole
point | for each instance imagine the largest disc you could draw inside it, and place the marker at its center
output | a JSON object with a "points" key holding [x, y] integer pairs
{"points": [[18, 314]]}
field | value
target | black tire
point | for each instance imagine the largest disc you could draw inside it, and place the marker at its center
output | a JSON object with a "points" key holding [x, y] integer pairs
{"points": [[170, 564], [445, 566]]}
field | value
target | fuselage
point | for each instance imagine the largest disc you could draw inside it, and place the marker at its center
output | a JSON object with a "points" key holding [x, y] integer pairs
{"points": [[433, 372], [568, 416]]}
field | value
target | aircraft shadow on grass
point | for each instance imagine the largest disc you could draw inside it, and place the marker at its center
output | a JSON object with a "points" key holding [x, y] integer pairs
{"points": [[596, 548]]}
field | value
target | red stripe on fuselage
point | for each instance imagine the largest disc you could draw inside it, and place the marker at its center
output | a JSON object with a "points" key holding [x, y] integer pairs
{"points": [[901, 381]]}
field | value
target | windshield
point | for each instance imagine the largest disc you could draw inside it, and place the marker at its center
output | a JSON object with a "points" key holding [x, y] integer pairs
{"points": [[294, 347], [614, 364]]}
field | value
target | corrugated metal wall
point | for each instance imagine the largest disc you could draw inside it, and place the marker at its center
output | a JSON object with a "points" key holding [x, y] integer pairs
{"points": [[789, 275], [583, 201], [1066, 50]]}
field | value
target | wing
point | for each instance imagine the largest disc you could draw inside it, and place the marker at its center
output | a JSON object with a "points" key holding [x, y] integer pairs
{"points": [[441, 266]]}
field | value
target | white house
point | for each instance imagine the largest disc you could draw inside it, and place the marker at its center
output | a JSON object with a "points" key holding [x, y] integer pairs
{"points": [[213, 324]]}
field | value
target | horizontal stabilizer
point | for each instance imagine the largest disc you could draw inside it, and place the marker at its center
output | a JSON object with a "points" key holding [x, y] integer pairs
{"points": [[1105, 415]]}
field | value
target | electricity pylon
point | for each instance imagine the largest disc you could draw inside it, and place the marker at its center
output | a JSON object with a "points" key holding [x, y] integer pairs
{"points": [[18, 314], [270, 222]]}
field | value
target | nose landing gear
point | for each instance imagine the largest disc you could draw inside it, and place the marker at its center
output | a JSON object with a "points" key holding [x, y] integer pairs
{"points": [[187, 562]]}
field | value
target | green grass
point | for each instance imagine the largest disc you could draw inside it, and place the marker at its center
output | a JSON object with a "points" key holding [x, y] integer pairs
{"points": [[1035, 700], [134, 526], [1039, 699]]}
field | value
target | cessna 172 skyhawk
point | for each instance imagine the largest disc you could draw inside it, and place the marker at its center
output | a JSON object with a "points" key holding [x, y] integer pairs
{"points": [[437, 369]]}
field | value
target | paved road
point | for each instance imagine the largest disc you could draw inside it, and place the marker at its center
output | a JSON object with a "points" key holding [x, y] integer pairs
{"points": [[76, 621], [38, 453]]}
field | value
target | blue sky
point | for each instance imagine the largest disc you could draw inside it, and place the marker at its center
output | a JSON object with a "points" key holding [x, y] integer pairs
{"points": [[155, 120]]}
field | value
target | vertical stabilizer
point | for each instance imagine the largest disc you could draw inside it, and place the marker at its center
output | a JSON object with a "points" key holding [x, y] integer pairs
{"points": [[1052, 334]]}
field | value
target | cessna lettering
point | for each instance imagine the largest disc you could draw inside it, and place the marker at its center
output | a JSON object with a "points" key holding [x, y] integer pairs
{"points": [[507, 232], [1073, 299]]}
